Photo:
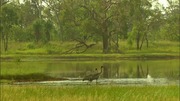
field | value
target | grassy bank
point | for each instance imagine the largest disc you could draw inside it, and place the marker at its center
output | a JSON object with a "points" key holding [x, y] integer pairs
{"points": [[89, 93], [19, 58], [18, 51]]}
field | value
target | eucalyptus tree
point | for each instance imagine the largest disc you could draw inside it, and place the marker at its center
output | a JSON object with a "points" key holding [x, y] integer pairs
{"points": [[38, 29], [77, 25], [9, 18], [104, 20], [103, 16], [53, 11], [170, 27], [42, 29], [30, 11], [120, 23], [3, 2], [48, 27], [140, 12]]}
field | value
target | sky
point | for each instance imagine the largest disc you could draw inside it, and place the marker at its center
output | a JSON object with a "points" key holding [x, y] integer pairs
{"points": [[163, 2]]}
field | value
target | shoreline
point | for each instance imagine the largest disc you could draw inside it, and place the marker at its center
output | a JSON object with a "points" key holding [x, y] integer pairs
{"points": [[139, 56]]}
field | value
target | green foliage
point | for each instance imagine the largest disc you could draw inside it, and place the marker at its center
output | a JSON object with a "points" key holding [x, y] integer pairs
{"points": [[42, 30], [9, 18], [132, 35], [38, 29], [9, 15], [98, 21], [48, 26], [21, 34], [169, 29]]}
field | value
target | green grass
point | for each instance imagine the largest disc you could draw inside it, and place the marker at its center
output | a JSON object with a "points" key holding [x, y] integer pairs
{"points": [[89, 93], [60, 47], [156, 50]]}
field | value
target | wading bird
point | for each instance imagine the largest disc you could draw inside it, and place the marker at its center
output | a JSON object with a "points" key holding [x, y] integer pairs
{"points": [[93, 76]]}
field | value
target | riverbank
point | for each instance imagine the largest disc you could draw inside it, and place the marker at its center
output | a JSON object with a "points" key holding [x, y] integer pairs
{"points": [[29, 51], [142, 56]]}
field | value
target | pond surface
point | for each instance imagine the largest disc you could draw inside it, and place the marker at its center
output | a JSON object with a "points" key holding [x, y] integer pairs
{"points": [[113, 69]]}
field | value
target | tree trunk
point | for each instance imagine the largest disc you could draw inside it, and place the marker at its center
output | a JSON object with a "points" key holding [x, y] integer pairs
{"points": [[142, 41], [137, 41], [37, 36], [105, 43], [105, 35], [6, 43], [60, 28], [47, 36], [147, 41], [117, 44]]}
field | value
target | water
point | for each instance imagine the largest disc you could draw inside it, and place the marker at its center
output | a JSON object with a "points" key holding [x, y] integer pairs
{"points": [[113, 69]]}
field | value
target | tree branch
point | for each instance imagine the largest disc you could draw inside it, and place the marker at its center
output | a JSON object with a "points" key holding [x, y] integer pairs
{"points": [[80, 44]]}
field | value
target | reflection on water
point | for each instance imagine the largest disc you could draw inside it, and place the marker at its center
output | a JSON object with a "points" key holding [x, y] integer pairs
{"points": [[112, 69], [116, 69]]}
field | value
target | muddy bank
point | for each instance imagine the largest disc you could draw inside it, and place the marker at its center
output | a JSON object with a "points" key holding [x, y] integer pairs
{"points": [[30, 78], [152, 56]]}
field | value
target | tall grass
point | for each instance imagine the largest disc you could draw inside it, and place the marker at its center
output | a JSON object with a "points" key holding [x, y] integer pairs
{"points": [[89, 93]]}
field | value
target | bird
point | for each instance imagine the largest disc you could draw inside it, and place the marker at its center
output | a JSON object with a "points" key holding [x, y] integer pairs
{"points": [[88, 76], [93, 76]]}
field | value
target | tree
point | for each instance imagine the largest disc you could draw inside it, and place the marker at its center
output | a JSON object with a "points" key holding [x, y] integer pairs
{"points": [[53, 12], [141, 13], [75, 25], [38, 29], [3, 2], [42, 30], [48, 26], [9, 18], [170, 27], [101, 13]]}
